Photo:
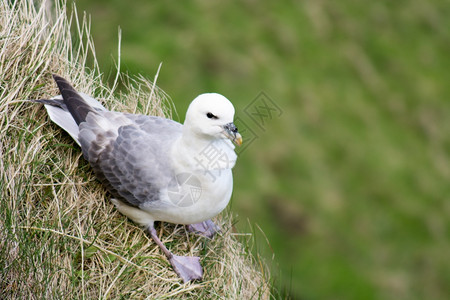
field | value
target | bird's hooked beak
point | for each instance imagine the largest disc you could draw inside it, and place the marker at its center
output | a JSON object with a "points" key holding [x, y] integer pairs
{"points": [[232, 133]]}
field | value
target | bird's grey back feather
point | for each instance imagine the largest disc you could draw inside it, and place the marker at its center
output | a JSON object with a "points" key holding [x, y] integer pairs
{"points": [[133, 161]]}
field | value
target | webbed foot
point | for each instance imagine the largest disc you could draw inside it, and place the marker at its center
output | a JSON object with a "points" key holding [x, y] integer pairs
{"points": [[187, 267], [206, 228]]}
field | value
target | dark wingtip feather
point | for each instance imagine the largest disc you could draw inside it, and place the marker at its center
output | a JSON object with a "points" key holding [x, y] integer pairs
{"points": [[56, 77], [63, 84], [76, 105], [52, 102]]}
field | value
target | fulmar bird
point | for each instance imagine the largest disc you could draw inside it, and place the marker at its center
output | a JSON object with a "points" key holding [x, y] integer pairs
{"points": [[157, 169]]}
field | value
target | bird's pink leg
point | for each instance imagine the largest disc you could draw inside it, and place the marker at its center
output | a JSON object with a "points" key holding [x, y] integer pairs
{"points": [[187, 267]]}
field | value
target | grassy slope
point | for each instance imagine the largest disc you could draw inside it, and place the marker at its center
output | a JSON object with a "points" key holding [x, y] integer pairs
{"points": [[351, 183], [59, 236]]}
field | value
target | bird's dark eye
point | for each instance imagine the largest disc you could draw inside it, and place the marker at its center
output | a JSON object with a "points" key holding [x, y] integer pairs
{"points": [[211, 116]]}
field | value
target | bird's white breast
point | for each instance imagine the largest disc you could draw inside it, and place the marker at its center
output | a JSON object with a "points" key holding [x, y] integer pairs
{"points": [[202, 185]]}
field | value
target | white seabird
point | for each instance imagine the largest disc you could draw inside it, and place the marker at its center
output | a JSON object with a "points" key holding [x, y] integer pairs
{"points": [[155, 168]]}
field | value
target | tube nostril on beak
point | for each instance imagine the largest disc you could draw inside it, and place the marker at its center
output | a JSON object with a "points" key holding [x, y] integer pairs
{"points": [[230, 127], [231, 132]]}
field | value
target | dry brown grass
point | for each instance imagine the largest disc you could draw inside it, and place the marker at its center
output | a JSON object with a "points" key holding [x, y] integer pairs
{"points": [[60, 237]]}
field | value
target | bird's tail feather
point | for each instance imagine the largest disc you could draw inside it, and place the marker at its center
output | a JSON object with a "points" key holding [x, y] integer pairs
{"points": [[59, 111], [63, 118]]}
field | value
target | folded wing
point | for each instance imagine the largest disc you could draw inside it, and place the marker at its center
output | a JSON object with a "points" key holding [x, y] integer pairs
{"points": [[132, 159]]}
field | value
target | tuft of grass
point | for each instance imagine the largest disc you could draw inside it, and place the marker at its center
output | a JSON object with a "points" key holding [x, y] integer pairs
{"points": [[60, 237]]}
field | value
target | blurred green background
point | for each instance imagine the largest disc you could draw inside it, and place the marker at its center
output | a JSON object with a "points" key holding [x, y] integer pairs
{"points": [[351, 183]]}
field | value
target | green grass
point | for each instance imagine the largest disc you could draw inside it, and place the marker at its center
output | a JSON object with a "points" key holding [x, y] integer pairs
{"points": [[351, 183]]}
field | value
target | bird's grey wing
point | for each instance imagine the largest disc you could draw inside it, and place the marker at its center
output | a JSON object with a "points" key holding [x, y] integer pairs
{"points": [[133, 163]]}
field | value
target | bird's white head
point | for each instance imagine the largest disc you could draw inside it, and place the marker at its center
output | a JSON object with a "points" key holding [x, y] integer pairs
{"points": [[211, 117]]}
